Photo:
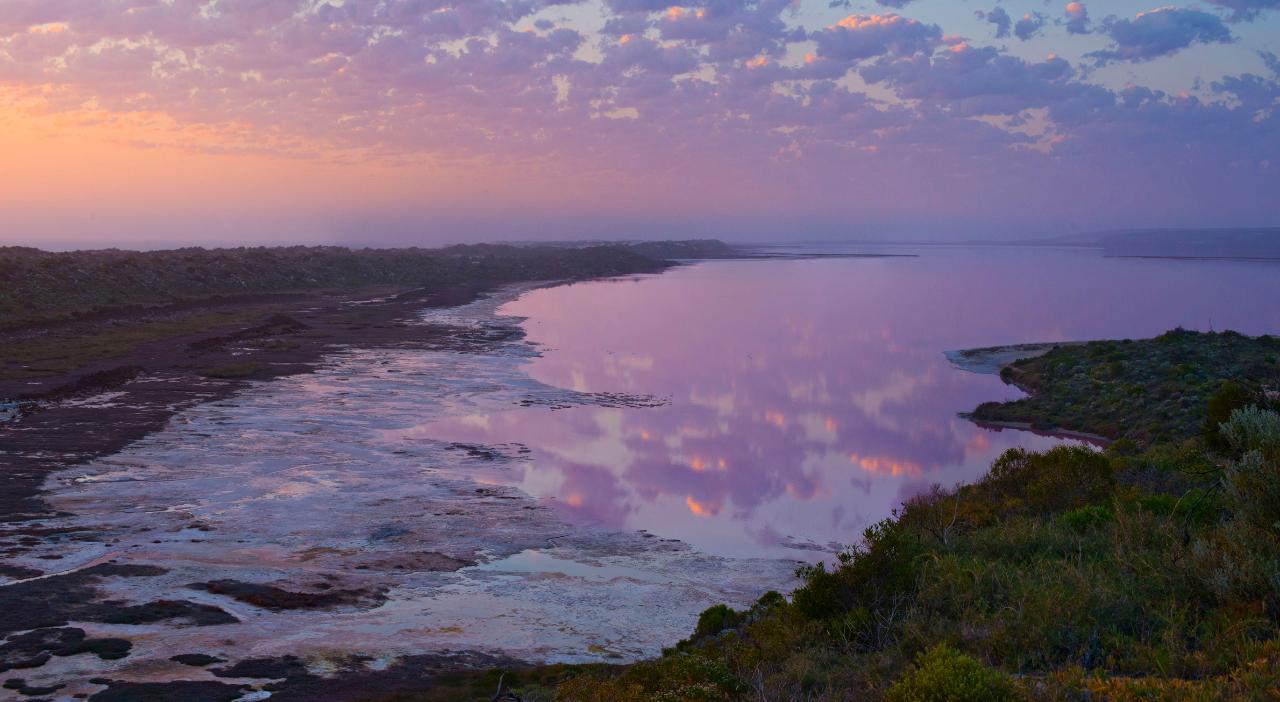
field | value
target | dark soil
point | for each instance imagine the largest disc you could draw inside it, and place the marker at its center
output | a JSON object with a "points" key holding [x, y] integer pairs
{"points": [[198, 660], [278, 599], [185, 690], [43, 608]]}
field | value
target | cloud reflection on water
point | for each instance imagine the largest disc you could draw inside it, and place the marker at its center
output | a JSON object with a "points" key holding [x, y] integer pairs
{"points": [[809, 398]]}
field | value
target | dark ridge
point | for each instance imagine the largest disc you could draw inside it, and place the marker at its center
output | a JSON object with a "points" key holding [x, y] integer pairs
{"points": [[37, 285]]}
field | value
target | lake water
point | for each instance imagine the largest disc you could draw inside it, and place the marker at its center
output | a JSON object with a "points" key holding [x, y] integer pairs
{"points": [[652, 446], [807, 398]]}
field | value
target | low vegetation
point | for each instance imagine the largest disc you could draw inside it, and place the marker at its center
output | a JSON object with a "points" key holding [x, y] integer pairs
{"points": [[62, 312], [39, 285], [1149, 570], [1149, 391]]}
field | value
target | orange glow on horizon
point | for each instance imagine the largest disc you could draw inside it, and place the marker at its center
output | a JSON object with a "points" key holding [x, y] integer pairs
{"points": [[67, 173]]}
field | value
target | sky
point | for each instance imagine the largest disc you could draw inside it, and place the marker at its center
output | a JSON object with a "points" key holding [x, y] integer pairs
{"points": [[380, 122]]}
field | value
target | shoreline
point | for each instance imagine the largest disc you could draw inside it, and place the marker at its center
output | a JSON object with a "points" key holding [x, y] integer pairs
{"points": [[990, 360], [59, 425], [1056, 433], [141, 558]]}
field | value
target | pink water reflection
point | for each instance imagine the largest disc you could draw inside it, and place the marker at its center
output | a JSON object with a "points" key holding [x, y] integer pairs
{"points": [[808, 398]]}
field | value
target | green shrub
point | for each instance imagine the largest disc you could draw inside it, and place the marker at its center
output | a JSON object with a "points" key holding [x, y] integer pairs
{"points": [[716, 619], [943, 674], [1162, 504], [1240, 558], [1252, 429], [769, 600], [1253, 491], [876, 575], [1088, 516], [1061, 479], [1230, 397]]}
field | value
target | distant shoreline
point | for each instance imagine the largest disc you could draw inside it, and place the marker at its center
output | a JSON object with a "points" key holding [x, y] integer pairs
{"points": [[1247, 259], [989, 360], [1057, 433]]}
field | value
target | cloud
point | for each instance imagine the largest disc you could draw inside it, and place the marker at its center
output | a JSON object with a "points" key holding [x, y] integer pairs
{"points": [[1029, 25], [1077, 18], [734, 29], [859, 37], [979, 81], [1247, 10], [1272, 61], [999, 18], [725, 101], [1159, 33]]}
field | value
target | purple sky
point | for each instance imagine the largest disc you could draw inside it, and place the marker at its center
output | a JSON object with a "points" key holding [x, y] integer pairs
{"points": [[429, 121]]}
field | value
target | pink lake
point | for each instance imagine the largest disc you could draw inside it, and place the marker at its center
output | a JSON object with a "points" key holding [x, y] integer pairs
{"points": [[803, 400]]}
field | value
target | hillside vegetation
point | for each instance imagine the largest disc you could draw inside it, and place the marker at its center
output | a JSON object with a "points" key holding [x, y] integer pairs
{"points": [[38, 285], [1143, 572], [1149, 391]]}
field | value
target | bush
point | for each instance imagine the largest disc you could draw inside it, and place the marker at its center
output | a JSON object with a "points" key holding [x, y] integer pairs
{"points": [[877, 575], [1230, 397], [1240, 558], [1252, 482], [1085, 517], [943, 674], [716, 619], [1252, 429], [1253, 491], [1061, 479]]}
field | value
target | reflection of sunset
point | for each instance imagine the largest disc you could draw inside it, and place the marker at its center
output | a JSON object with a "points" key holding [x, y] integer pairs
{"points": [[978, 444], [700, 509], [886, 466], [698, 464], [743, 448]]}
